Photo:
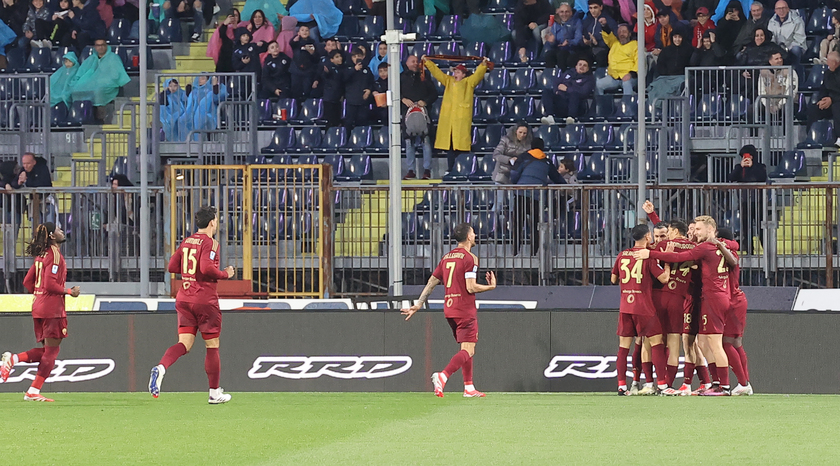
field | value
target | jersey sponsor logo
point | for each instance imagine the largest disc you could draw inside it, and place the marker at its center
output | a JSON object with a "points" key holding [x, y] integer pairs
{"points": [[66, 370], [55, 269], [212, 255], [588, 367], [339, 367]]}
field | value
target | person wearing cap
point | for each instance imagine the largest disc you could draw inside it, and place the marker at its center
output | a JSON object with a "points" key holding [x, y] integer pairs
{"points": [[622, 60], [750, 170], [456, 110], [704, 23], [667, 23]]}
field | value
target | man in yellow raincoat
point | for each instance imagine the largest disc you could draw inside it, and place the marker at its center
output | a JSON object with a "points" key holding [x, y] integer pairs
{"points": [[456, 110]]}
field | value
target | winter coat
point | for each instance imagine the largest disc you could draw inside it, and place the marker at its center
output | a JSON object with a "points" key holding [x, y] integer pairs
{"points": [[673, 60], [746, 35], [538, 13], [415, 89], [275, 75], [15, 15], [578, 84], [456, 110], [87, 20], [830, 86], [593, 26], [507, 149], [533, 167], [43, 14], [623, 58], [790, 33], [571, 31], [755, 174], [714, 56], [777, 82]]}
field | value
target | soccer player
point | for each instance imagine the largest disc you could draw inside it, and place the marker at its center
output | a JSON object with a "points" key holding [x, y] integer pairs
{"points": [[660, 233], [715, 297], [637, 317], [457, 271], [736, 318], [46, 280], [197, 303]]}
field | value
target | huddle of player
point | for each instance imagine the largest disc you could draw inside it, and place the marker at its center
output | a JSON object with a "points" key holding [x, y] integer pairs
{"points": [[681, 284]]}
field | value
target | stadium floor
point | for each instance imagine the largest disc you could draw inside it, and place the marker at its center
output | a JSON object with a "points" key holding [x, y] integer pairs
{"points": [[417, 428]]}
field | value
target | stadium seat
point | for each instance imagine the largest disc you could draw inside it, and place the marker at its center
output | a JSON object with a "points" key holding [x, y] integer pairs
{"points": [[627, 131], [599, 138], [465, 165], [800, 107], [812, 50], [372, 28], [169, 31], [550, 134], [819, 135], [277, 109], [735, 108], [81, 113], [448, 48], [493, 82], [793, 161], [602, 107], [484, 224], [119, 30], [424, 27], [129, 60], [522, 81], [380, 141], [357, 169], [307, 174], [349, 7], [484, 170], [595, 168], [39, 60], [479, 199], [358, 141], [489, 109], [815, 78], [409, 225], [333, 139], [545, 78], [475, 49], [500, 53], [308, 139], [497, 6], [58, 115], [519, 109], [348, 29], [447, 29], [489, 138], [311, 112], [434, 111], [708, 107], [627, 109], [571, 137], [336, 162], [86, 52], [282, 139], [819, 23], [16, 59]]}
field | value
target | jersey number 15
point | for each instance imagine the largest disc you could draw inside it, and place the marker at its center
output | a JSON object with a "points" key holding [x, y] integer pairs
{"points": [[189, 263]]}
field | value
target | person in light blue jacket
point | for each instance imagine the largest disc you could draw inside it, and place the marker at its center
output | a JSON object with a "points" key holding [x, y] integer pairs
{"points": [[61, 79], [173, 111], [563, 40], [203, 102]]}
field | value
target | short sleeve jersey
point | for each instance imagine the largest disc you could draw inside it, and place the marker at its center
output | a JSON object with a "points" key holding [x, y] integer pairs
{"points": [[713, 268], [453, 271], [635, 278], [679, 282], [46, 280], [197, 260]]}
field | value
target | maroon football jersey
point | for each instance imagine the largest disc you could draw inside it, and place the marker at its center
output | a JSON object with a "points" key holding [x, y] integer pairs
{"points": [[680, 279], [713, 268], [734, 272], [197, 260], [46, 280], [453, 271], [635, 278]]}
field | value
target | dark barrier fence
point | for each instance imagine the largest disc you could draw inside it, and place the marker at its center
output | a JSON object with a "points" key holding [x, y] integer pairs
{"points": [[563, 351]]}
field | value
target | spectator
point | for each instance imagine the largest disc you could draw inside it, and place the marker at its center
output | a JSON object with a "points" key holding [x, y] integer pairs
{"points": [[828, 105], [35, 174], [305, 61], [749, 171], [106, 12], [672, 6], [563, 39], [668, 23], [465, 8], [649, 17], [87, 25], [530, 17], [273, 12], [456, 110], [183, 10], [262, 32], [63, 33], [531, 168], [593, 40], [220, 46], [324, 12], [100, 78], [333, 75], [777, 82], [670, 68], [61, 80], [759, 51], [417, 89], [788, 31], [246, 54], [568, 96], [358, 92], [203, 100], [379, 114], [7, 37], [381, 56], [721, 10], [758, 19], [515, 142], [704, 23], [832, 42], [173, 111], [12, 205], [14, 14], [287, 32], [710, 53], [690, 7], [623, 60], [123, 218], [728, 28], [39, 26], [276, 81], [334, 44], [567, 170]]}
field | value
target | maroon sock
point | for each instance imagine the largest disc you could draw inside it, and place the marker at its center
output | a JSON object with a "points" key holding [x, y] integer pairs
{"points": [[647, 369], [637, 362], [621, 366], [688, 373], [466, 371], [456, 362], [47, 363], [735, 363], [723, 375], [172, 354], [743, 356], [672, 374], [703, 374], [33, 355], [212, 366], [713, 370], [657, 353]]}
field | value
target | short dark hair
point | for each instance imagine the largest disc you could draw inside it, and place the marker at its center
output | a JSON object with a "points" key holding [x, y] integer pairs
{"points": [[461, 232], [537, 143], [660, 225], [663, 12], [382, 66], [725, 233], [639, 231], [204, 216], [334, 53], [568, 163], [596, 2], [679, 225], [357, 53]]}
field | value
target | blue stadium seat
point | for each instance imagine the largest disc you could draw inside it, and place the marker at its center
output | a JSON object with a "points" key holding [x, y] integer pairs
{"points": [[522, 81], [336, 162], [599, 138], [169, 31], [404, 8], [277, 108], [357, 169], [479, 199], [489, 109], [484, 224], [119, 30], [132, 38], [372, 28], [307, 174], [421, 48], [793, 161], [311, 112], [595, 169], [307, 140], [500, 53], [282, 139], [434, 111], [475, 49], [708, 108], [602, 108], [86, 52], [735, 108], [349, 28], [16, 59], [424, 27], [448, 48], [812, 50], [624, 131], [40, 60], [489, 138], [265, 112], [465, 165], [380, 141], [448, 28], [550, 134], [484, 170], [349, 7], [815, 78], [81, 113], [819, 22], [545, 78], [819, 135], [358, 141], [571, 137], [58, 115], [520, 109], [130, 53], [334, 138], [627, 109], [800, 109], [493, 82]]}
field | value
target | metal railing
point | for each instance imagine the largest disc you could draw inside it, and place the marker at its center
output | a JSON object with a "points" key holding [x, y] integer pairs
{"points": [[111, 145], [25, 114]]}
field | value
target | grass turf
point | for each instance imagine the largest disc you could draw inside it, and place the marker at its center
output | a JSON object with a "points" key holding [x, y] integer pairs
{"points": [[417, 428]]}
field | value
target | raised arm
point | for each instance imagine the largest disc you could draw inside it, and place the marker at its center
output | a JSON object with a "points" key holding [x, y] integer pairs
{"points": [[731, 261], [474, 287]]}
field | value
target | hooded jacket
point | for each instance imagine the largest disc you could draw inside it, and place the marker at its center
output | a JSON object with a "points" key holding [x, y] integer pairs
{"points": [[61, 79], [240, 51], [790, 33], [275, 75], [508, 148], [533, 167], [673, 60]]}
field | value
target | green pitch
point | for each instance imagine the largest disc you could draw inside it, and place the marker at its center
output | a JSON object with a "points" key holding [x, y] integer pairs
{"points": [[417, 428]]}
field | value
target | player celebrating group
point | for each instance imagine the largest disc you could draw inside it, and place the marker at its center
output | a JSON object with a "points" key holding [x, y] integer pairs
{"points": [[197, 303], [458, 270], [46, 280]]}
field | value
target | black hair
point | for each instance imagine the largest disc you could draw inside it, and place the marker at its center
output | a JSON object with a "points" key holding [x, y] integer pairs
{"points": [[122, 180], [569, 164], [725, 233], [596, 2], [679, 225], [461, 232], [663, 12], [660, 225], [41, 242], [204, 216], [357, 52], [382, 66], [639, 231], [335, 52], [537, 143]]}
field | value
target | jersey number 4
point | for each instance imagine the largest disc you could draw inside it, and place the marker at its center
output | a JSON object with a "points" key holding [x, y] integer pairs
{"points": [[627, 274], [189, 263]]}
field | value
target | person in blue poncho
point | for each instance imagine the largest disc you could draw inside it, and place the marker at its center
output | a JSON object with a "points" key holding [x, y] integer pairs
{"points": [[274, 11], [324, 12], [202, 102], [173, 111], [100, 78], [7, 36], [380, 56], [61, 79]]}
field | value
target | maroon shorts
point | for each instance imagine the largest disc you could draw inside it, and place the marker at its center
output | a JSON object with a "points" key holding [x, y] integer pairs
{"points": [[464, 329], [670, 309], [205, 318], [691, 317], [635, 325], [55, 327], [736, 318], [713, 309]]}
